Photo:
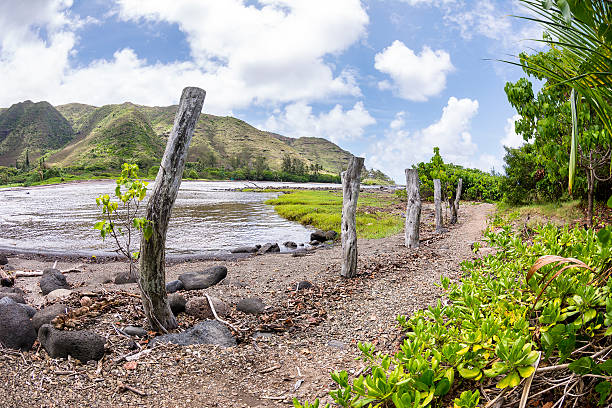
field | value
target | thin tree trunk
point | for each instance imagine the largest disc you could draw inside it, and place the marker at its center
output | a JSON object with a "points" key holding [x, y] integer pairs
{"points": [[590, 190], [454, 203], [153, 251], [438, 205], [350, 193], [413, 208]]}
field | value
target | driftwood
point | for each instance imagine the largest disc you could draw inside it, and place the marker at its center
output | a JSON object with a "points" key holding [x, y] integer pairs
{"points": [[438, 205], [454, 202], [152, 280], [350, 193], [31, 274], [413, 208]]}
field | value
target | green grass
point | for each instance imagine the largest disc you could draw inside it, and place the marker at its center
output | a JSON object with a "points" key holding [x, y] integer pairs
{"points": [[564, 212], [323, 210]]}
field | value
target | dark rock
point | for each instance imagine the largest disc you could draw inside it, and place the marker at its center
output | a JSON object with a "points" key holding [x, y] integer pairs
{"points": [[103, 279], [177, 303], [245, 249], [290, 244], [16, 329], [44, 316], [84, 345], [123, 278], [135, 331], [330, 235], [3, 259], [205, 279], [174, 286], [51, 280], [31, 311], [251, 305], [322, 236], [16, 297], [12, 290], [269, 247], [198, 307], [299, 253], [303, 285], [315, 242], [206, 332]]}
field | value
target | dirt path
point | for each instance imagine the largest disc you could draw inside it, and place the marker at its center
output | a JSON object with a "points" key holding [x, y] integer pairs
{"points": [[320, 327]]}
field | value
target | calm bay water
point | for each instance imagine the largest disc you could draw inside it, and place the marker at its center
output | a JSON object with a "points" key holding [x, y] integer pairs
{"points": [[207, 218]]}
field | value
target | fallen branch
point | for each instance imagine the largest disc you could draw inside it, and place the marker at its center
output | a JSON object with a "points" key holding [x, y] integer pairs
{"points": [[269, 370], [31, 274], [214, 312], [124, 387]]}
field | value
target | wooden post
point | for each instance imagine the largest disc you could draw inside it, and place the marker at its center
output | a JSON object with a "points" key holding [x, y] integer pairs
{"points": [[350, 193], [152, 280], [454, 204], [438, 205], [413, 208]]}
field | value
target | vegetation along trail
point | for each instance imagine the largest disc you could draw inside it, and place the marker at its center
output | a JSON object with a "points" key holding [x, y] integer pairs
{"points": [[286, 352]]}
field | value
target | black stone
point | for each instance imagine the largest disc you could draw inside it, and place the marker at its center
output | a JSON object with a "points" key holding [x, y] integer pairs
{"points": [[45, 315], [245, 250], [315, 242], [84, 345], [268, 248], [304, 285], [205, 279], [3, 259], [135, 331], [12, 290], [206, 332], [51, 280], [16, 329], [322, 236], [174, 286], [290, 244], [16, 297], [123, 278], [251, 305], [177, 303]]}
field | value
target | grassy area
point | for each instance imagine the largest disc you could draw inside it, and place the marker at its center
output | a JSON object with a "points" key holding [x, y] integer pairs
{"points": [[563, 212], [323, 209]]}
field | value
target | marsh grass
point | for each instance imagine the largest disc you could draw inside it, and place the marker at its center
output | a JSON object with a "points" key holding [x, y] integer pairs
{"points": [[323, 210]]}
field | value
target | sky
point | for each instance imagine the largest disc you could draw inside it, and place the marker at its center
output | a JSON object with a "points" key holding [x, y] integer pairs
{"points": [[384, 79]]}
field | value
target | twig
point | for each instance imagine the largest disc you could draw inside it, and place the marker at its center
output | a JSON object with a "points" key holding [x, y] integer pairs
{"points": [[499, 396], [54, 264], [270, 369], [279, 398], [552, 368], [214, 312], [124, 387]]}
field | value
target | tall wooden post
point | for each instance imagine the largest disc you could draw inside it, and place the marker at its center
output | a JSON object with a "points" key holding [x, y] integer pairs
{"points": [[413, 208], [438, 205], [454, 204], [351, 179], [152, 280]]}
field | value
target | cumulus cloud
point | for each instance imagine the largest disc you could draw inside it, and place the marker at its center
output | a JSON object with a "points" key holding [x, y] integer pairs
{"points": [[337, 125], [415, 77], [400, 148], [511, 139], [271, 54]]}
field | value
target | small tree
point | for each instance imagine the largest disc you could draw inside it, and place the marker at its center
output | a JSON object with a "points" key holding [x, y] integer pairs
{"points": [[120, 217]]}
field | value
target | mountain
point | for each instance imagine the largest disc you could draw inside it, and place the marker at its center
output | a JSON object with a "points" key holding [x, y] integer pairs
{"points": [[28, 130], [101, 138]]}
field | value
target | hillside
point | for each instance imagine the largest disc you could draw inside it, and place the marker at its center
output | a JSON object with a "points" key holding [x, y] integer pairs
{"points": [[31, 129]]}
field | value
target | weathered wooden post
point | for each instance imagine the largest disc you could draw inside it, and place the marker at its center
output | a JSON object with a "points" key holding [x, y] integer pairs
{"points": [[454, 204], [438, 205], [413, 208], [152, 280], [350, 193]]}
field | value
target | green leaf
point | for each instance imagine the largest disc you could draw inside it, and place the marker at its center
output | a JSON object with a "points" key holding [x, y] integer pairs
{"points": [[443, 387], [606, 366], [589, 315], [608, 331], [469, 373], [610, 202], [511, 380], [497, 369], [603, 388], [583, 365], [604, 236], [525, 371]]}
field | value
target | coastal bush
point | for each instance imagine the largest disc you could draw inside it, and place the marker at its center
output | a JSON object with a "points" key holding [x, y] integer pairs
{"points": [[546, 300]]}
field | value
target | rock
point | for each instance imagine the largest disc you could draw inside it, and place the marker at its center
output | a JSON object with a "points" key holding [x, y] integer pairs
{"points": [[205, 279], [123, 278], [45, 315], [51, 280], [177, 303], [268, 248], [245, 249], [322, 236], [174, 286], [12, 290], [58, 294], [290, 244], [198, 307], [251, 305], [3, 259], [16, 329], [303, 285], [314, 242], [31, 311], [206, 332], [103, 279], [86, 301], [135, 331], [336, 344], [16, 297], [84, 345]]}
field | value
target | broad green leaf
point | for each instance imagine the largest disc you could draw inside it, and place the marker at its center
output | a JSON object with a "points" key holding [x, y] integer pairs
{"points": [[469, 373], [497, 369], [603, 388], [525, 371], [583, 365], [610, 202], [511, 380], [443, 387]]}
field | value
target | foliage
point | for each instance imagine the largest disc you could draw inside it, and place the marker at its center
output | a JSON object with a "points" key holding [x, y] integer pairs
{"points": [[120, 217], [498, 323], [323, 210]]}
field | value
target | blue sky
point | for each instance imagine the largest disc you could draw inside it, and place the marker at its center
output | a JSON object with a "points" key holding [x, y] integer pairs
{"points": [[384, 79]]}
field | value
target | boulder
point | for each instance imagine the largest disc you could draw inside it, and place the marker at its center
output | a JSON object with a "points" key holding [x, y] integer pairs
{"points": [[16, 329], [3, 259], [30, 310], [84, 345], [251, 305], [206, 332], [16, 297], [135, 331], [198, 307], [177, 303], [103, 279], [204, 279], [174, 286], [245, 249], [12, 290], [123, 278], [290, 244], [268, 248], [58, 294], [45, 315], [322, 236], [52, 279], [314, 242], [304, 285]]}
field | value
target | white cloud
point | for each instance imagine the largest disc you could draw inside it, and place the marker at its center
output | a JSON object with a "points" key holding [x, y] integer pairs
{"points": [[268, 55], [337, 125], [414, 77], [401, 148], [511, 139]]}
